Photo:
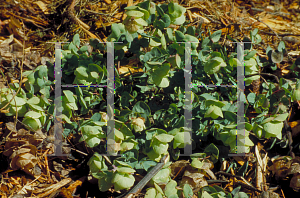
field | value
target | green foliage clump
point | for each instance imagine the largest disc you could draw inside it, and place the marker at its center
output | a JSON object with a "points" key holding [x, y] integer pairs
{"points": [[149, 105]]}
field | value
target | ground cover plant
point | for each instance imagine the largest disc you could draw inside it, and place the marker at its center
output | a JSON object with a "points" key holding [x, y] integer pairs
{"points": [[149, 104]]}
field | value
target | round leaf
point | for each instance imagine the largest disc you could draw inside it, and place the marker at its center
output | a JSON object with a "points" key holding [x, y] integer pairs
{"points": [[151, 193], [34, 100], [277, 56], [162, 176], [123, 181], [164, 138], [159, 147], [170, 188]]}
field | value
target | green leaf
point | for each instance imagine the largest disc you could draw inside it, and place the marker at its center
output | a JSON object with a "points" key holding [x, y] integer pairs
{"points": [[119, 134], [83, 49], [273, 129], [142, 108], [31, 77], [97, 162], [35, 107], [158, 188], [164, 83], [258, 130], [213, 151], [254, 32], [187, 191], [251, 98], [69, 95], [76, 40], [134, 13], [32, 114], [230, 116], [250, 63], [123, 128], [167, 20], [131, 7], [235, 191], [82, 72], [123, 181], [44, 99], [164, 138], [115, 29], [227, 137], [35, 124], [34, 100], [151, 193], [175, 10], [43, 72], [163, 42], [141, 21], [125, 170], [159, 147], [170, 34], [281, 46], [159, 24], [196, 163], [172, 108], [205, 42], [179, 36], [17, 101], [213, 65], [181, 139], [193, 39], [214, 112], [234, 62], [267, 120], [105, 182], [217, 103], [191, 30], [241, 195], [90, 130], [159, 11], [170, 188], [215, 37], [250, 55], [162, 176], [41, 82], [153, 43], [281, 117], [258, 39], [125, 146], [160, 73], [121, 163], [91, 140]]}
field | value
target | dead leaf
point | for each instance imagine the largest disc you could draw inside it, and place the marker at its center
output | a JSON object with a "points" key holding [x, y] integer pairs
{"points": [[295, 182], [42, 6], [195, 179], [178, 168]]}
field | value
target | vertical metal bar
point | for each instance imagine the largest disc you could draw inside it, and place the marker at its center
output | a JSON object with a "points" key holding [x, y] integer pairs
{"points": [[188, 101], [240, 104], [110, 100], [58, 102]]}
